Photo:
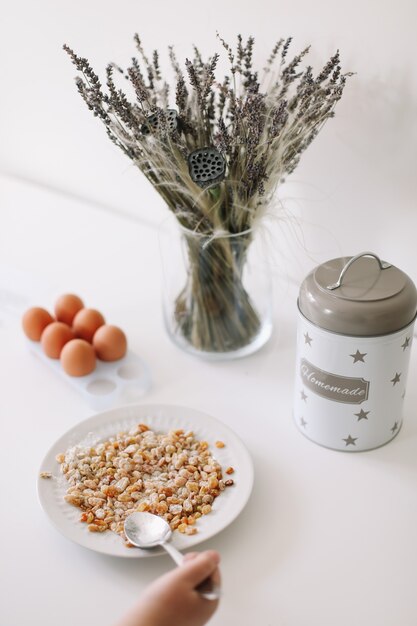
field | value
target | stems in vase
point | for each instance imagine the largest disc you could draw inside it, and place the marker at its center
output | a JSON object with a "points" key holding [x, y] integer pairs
{"points": [[214, 311]]}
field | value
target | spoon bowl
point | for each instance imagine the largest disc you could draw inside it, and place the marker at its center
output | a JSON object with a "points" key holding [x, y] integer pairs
{"points": [[146, 530]]}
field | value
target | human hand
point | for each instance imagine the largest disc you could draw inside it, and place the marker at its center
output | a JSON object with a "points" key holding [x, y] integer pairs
{"points": [[172, 598]]}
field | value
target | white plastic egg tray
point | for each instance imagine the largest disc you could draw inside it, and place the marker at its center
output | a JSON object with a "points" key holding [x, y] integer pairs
{"points": [[124, 380]]}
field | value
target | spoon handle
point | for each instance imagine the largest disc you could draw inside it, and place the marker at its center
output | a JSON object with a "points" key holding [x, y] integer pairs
{"points": [[174, 553], [207, 589]]}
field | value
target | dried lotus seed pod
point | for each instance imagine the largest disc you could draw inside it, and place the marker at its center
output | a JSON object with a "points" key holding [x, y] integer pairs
{"points": [[153, 122], [206, 167]]}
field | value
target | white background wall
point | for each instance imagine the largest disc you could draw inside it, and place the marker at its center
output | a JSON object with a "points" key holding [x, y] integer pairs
{"points": [[356, 186]]}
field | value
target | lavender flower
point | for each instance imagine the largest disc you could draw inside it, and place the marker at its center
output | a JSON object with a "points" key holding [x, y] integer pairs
{"points": [[260, 124]]}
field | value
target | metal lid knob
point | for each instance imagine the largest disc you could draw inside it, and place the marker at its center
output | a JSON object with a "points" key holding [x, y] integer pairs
{"points": [[382, 264]]}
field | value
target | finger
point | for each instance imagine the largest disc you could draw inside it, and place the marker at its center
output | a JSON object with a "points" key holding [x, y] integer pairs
{"points": [[216, 577], [200, 567], [189, 556]]}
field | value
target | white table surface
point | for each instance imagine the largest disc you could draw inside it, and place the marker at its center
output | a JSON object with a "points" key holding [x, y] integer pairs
{"points": [[327, 538]]}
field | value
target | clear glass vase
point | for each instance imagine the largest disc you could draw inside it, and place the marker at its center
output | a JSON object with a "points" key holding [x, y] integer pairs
{"points": [[217, 292]]}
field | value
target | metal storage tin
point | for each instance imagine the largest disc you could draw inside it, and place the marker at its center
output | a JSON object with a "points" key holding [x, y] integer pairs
{"points": [[355, 330]]}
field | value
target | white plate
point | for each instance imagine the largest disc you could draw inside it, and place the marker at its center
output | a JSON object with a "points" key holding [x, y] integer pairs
{"points": [[160, 418]]}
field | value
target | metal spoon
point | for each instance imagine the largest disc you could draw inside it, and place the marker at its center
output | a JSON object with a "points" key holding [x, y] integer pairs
{"points": [[146, 530]]}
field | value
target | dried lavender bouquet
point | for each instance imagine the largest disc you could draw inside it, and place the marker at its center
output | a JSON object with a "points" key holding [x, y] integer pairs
{"points": [[216, 157]]}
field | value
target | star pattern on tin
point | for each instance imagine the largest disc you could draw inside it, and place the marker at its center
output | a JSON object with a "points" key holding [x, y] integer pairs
{"points": [[396, 379], [307, 339], [303, 396], [406, 343], [358, 356], [395, 427], [350, 441], [303, 422], [362, 415]]}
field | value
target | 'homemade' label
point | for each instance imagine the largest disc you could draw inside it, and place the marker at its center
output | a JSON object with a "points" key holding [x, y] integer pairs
{"points": [[333, 387]]}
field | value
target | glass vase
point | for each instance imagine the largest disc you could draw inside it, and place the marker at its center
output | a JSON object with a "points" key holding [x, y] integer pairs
{"points": [[217, 292]]}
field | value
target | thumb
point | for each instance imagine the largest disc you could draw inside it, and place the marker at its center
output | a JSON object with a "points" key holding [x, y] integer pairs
{"points": [[199, 567]]}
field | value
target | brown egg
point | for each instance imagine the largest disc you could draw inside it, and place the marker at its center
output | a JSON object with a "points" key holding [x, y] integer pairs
{"points": [[66, 307], [86, 323], [110, 343], [34, 322], [78, 358], [54, 338]]}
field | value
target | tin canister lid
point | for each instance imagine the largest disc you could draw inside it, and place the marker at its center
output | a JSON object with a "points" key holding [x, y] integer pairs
{"points": [[359, 296]]}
